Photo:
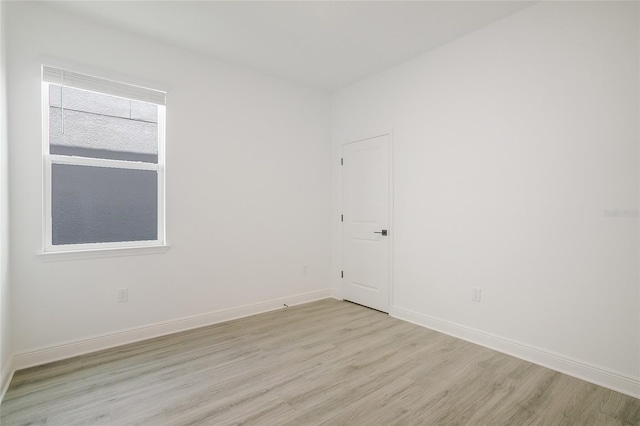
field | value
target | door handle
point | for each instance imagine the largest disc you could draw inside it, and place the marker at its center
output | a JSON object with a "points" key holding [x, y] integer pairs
{"points": [[383, 232]]}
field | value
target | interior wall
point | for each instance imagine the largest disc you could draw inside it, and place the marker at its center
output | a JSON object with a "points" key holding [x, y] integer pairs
{"points": [[516, 171], [5, 343], [247, 183]]}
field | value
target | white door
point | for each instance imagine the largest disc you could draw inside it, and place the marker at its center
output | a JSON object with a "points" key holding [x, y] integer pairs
{"points": [[365, 227]]}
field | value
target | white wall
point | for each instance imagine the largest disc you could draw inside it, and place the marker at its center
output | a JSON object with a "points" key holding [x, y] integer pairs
{"points": [[5, 343], [510, 144], [248, 189]]}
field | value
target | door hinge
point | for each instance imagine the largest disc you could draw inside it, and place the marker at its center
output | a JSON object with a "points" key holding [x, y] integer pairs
{"points": [[341, 218], [342, 161], [341, 274]]}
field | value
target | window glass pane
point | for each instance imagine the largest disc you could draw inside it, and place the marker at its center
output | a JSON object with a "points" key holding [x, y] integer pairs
{"points": [[101, 126], [99, 204]]}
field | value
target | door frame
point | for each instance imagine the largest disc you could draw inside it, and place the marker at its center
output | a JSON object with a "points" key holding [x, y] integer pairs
{"points": [[391, 237]]}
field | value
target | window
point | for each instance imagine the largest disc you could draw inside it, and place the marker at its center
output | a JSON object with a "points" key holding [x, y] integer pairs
{"points": [[103, 163]]}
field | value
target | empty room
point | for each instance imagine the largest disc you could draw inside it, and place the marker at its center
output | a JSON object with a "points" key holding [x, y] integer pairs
{"points": [[319, 213]]}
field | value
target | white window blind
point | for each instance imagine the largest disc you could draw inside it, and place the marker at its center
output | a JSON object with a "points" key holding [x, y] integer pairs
{"points": [[100, 85]]}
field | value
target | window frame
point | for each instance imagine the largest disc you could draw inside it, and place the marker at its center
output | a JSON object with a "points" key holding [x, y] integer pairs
{"points": [[49, 159]]}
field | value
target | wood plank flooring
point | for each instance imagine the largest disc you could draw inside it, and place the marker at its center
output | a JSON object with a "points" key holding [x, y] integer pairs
{"points": [[323, 363]]}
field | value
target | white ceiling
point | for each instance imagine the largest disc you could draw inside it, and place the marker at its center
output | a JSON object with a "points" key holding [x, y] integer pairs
{"points": [[323, 44]]}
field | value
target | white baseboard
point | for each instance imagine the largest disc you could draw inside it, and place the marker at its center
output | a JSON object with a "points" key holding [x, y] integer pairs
{"points": [[336, 294], [80, 347], [594, 374], [579, 369], [6, 374]]}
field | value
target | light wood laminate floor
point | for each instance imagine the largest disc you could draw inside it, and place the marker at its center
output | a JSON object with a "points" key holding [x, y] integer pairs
{"points": [[323, 363]]}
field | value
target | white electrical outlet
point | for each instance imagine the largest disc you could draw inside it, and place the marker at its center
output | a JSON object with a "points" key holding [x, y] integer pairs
{"points": [[123, 295], [476, 294]]}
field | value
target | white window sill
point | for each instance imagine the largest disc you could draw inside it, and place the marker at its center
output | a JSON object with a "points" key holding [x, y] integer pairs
{"points": [[51, 256]]}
